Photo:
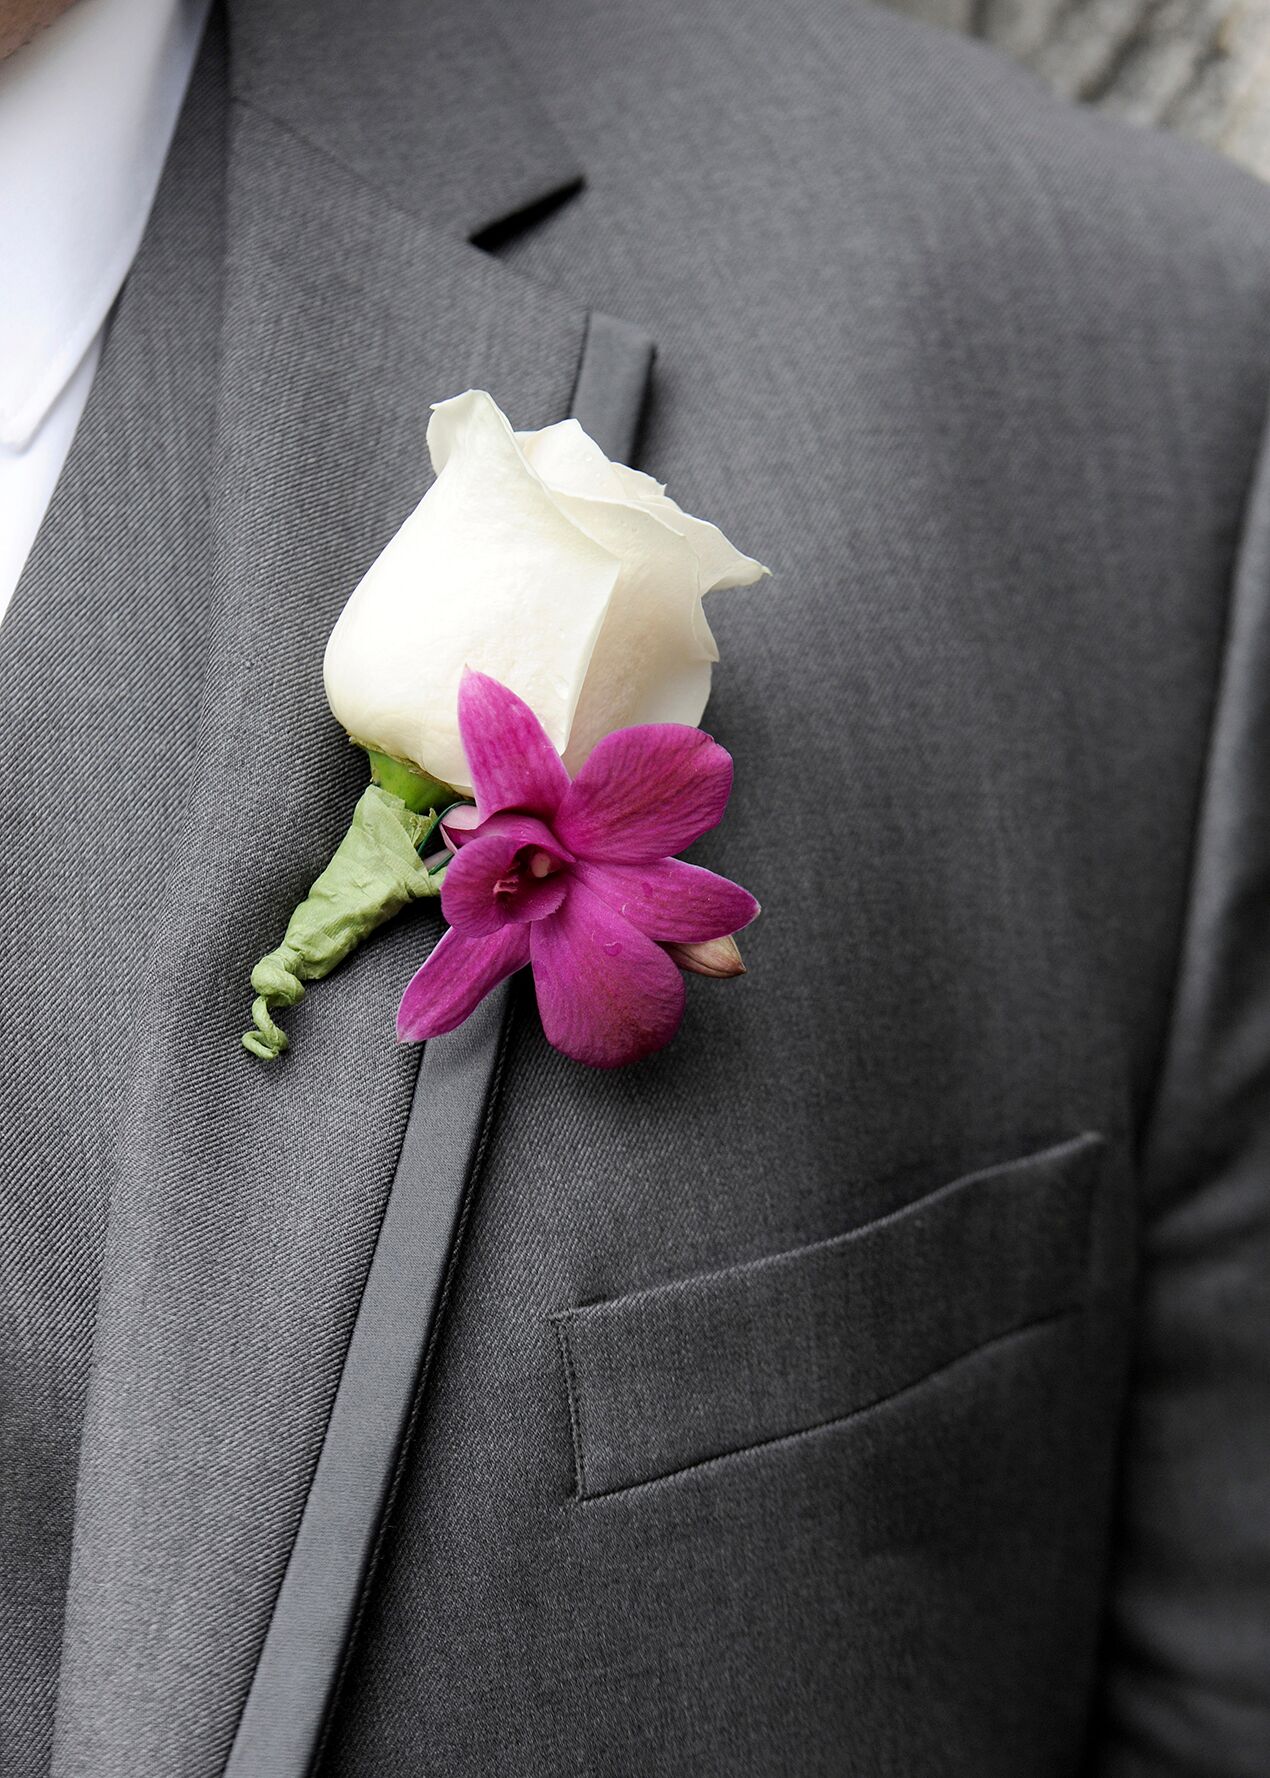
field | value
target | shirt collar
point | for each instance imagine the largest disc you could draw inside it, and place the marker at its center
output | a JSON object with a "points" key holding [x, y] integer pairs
{"points": [[87, 112]]}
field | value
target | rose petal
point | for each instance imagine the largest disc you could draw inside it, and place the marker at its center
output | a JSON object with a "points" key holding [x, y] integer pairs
{"points": [[456, 978], [606, 994], [510, 758], [649, 664], [644, 793], [469, 895], [570, 462], [487, 572], [720, 562], [670, 899]]}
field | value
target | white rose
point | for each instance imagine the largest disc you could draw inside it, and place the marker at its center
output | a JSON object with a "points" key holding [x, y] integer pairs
{"points": [[573, 580]]}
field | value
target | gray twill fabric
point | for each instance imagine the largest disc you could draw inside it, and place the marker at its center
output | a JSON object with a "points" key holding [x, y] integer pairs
{"points": [[244, 1210], [984, 380], [667, 1380], [98, 653], [189, 1234]]}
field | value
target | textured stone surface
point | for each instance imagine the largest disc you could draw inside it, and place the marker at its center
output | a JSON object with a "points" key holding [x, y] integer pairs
{"points": [[1198, 66]]}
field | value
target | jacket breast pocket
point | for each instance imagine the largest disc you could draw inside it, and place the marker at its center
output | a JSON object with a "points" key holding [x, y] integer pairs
{"points": [[665, 1379]]}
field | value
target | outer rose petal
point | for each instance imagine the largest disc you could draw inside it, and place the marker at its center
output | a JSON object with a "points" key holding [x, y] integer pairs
{"points": [[456, 978], [510, 758], [606, 994], [570, 462], [652, 658], [644, 793], [721, 563], [671, 900], [468, 898]]}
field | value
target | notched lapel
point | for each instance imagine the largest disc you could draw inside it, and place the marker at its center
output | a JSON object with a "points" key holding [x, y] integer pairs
{"points": [[468, 151], [246, 1198]]}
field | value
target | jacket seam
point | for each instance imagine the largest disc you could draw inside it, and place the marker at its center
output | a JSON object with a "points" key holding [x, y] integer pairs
{"points": [[1154, 1095], [575, 1406]]}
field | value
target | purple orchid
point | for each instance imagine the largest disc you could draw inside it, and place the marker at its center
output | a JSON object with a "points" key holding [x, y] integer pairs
{"points": [[577, 879]]}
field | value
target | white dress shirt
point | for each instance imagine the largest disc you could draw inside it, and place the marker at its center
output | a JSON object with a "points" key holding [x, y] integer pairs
{"points": [[87, 112]]}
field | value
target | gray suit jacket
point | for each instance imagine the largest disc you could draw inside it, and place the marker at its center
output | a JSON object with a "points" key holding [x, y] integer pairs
{"points": [[875, 1383]]}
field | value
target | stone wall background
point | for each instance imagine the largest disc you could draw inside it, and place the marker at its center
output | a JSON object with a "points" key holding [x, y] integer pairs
{"points": [[1198, 66]]}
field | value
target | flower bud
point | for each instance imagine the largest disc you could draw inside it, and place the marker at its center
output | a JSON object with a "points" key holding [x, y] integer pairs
{"points": [[718, 957], [574, 581]]}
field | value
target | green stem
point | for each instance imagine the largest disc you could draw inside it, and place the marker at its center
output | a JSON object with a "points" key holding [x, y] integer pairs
{"points": [[416, 789], [375, 871]]}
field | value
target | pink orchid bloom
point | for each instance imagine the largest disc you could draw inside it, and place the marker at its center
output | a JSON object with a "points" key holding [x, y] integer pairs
{"points": [[576, 878]]}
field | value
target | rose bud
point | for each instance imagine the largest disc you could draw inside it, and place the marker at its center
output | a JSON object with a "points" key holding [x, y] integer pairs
{"points": [[574, 581]]}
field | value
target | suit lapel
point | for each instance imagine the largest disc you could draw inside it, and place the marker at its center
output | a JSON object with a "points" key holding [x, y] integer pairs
{"points": [[245, 1200], [399, 1318], [470, 151]]}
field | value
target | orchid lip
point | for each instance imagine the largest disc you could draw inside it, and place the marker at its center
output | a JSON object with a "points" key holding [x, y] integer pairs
{"points": [[536, 865]]}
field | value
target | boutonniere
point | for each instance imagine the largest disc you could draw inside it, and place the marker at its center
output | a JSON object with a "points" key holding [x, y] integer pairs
{"points": [[525, 666]]}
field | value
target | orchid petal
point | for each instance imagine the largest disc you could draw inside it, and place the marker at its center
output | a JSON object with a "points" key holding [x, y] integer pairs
{"points": [[456, 978], [644, 793], [671, 900], [526, 830], [510, 758], [606, 994], [471, 898], [457, 825]]}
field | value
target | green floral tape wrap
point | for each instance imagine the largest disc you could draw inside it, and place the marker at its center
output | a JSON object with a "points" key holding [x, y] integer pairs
{"points": [[375, 872]]}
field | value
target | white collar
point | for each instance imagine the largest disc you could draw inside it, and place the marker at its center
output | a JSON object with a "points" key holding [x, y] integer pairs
{"points": [[87, 112]]}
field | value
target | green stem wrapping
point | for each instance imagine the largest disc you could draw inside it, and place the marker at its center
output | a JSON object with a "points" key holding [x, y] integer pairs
{"points": [[375, 872], [416, 789]]}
